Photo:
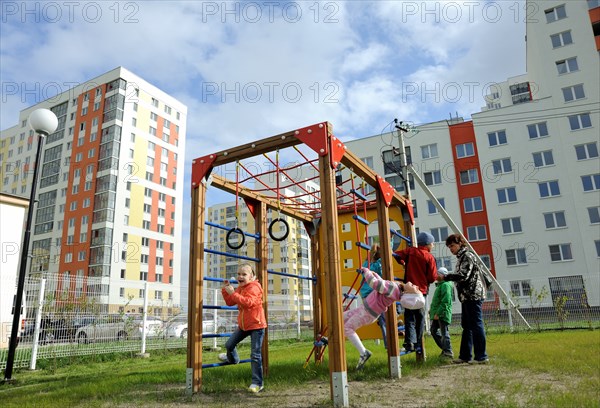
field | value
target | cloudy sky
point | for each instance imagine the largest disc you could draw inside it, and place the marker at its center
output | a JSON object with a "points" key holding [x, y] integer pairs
{"points": [[248, 70]]}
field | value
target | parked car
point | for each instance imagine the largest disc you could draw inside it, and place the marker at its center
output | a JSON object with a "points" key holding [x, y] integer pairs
{"points": [[178, 326], [51, 330], [117, 327]]}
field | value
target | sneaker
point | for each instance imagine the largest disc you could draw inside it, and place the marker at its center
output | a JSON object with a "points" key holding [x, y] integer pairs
{"points": [[223, 357], [459, 361], [484, 361], [446, 355], [255, 388], [363, 359]]}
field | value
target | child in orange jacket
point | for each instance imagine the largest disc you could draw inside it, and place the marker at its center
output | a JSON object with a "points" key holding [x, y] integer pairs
{"points": [[251, 322]]}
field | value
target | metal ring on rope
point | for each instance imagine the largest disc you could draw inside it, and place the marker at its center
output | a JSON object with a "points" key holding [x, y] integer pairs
{"points": [[287, 229], [230, 233]]}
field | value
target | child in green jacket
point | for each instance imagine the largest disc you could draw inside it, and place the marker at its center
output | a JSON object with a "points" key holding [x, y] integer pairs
{"points": [[440, 313]]}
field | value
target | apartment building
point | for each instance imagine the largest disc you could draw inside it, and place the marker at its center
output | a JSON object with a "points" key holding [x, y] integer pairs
{"points": [[110, 191], [287, 295], [522, 178]]}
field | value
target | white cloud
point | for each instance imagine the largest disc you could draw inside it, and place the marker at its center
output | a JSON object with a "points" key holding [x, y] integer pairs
{"points": [[245, 78]]}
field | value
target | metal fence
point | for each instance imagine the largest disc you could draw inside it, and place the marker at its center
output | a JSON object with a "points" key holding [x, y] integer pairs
{"points": [[70, 322]]}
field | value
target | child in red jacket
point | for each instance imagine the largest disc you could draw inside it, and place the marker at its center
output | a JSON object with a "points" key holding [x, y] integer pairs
{"points": [[251, 321]]}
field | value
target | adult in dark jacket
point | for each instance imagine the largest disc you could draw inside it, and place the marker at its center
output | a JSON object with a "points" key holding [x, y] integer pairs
{"points": [[471, 293], [421, 270]]}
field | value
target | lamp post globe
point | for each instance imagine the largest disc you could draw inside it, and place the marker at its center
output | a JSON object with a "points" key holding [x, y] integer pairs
{"points": [[43, 121]]}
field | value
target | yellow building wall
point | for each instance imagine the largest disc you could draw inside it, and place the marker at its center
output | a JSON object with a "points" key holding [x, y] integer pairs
{"points": [[351, 255]]}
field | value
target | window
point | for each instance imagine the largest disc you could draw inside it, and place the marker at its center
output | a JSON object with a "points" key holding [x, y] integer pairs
{"points": [[465, 150], [580, 121], [591, 182], [433, 177], [155, 101], [507, 195], [146, 224], [473, 204], [147, 208], [469, 176], [432, 209], [440, 234], [502, 166], [167, 109], [594, 213], [555, 219], [368, 161], [516, 257], [556, 13], [537, 130], [573, 93], [511, 225], [586, 151], [348, 263], [560, 252], [520, 288], [147, 192], [429, 151], [561, 39], [143, 277], [476, 233], [542, 159], [567, 65], [152, 131], [597, 244], [153, 116], [497, 138], [549, 189], [145, 241], [144, 258], [444, 261]]}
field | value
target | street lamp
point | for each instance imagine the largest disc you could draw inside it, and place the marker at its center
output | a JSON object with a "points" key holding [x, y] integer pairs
{"points": [[43, 122]]}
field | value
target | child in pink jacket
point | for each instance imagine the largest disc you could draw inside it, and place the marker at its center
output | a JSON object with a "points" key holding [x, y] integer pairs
{"points": [[384, 294]]}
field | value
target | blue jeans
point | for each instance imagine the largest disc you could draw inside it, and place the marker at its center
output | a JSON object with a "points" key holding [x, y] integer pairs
{"points": [[440, 331], [381, 324], [473, 335], [256, 340], [414, 326]]}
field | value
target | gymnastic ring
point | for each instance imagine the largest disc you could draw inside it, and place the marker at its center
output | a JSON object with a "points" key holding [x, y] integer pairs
{"points": [[228, 237], [287, 229]]}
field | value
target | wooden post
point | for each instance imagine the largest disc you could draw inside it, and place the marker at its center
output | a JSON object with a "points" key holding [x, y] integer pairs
{"points": [[195, 290], [391, 320], [261, 272], [316, 288], [331, 266]]}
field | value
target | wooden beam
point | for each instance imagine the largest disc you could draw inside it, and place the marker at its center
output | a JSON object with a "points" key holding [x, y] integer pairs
{"points": [[358, 167], [332, 268], [195, 291], [262, 253], [391, 320], [244, 192]]}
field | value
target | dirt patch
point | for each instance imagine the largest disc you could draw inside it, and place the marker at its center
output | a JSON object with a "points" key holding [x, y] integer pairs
{"points": [[483, 385]]}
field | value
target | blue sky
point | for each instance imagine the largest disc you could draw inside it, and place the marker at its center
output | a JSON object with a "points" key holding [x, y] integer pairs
{"points": [[248, 70]]}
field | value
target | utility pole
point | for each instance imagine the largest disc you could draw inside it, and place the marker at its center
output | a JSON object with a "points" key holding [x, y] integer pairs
{"points": [[403, 128]]}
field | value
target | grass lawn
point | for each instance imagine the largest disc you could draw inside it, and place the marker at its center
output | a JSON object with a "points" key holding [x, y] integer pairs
{"points": [[548, 369]]}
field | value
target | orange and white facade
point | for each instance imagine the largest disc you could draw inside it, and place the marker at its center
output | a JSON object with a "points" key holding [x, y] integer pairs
{"points": [[110, 191], [522, 178]]}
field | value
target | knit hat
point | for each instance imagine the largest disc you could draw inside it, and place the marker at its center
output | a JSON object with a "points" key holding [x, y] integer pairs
{"points": [[412, 301], [425, 238], [442, 271]]}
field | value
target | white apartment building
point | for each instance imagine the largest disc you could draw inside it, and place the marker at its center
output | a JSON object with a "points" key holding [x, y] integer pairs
{"points": [[522, 179], [110, 191]]}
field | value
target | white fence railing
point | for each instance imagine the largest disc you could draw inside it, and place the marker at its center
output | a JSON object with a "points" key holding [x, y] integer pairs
{"points": [[68, 321]]}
